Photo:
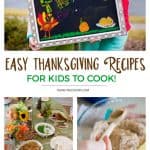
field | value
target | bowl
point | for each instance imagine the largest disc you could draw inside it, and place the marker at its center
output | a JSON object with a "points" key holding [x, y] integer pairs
{"points": [[26, 142], [46, 129], [61, 142]]}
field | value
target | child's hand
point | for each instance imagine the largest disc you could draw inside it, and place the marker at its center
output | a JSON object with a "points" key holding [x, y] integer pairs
{"points": [[33, 44], [108, 143], [96, 145]]}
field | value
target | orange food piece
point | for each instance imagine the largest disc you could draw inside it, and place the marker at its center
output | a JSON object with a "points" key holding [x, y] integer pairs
{"points": [[23, 128], [84, 27], [10, 127]]}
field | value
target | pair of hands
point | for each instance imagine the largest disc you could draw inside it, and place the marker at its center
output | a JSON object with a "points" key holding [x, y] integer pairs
{"points": [[33, 44], [35, 47], [104, 144]]}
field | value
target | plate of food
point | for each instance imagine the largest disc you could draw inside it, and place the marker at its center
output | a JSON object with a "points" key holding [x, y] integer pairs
{"points": [[44, 129], [121, 119], [106, 26], [30, 145], [106, 22], [61, 143]]}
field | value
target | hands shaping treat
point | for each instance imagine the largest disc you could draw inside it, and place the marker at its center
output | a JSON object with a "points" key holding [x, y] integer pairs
{"points": [[124, 133]]}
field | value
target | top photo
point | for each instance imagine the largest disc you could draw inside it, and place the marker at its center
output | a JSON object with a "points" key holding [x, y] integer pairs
{"points": [[75, 25]]}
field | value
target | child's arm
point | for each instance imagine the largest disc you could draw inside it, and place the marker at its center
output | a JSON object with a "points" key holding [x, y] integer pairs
{"points": [[32, 42], [29, 32]]}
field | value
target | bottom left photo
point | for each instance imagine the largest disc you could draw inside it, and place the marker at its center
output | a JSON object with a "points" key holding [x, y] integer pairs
{"points": [[38, 123]]}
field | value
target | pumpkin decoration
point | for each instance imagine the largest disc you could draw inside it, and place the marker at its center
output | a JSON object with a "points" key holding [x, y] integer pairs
{"points": [[84, 26]]}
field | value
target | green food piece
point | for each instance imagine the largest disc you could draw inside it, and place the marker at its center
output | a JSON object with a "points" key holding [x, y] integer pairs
{"points": [[41, 129], [46, 4]]}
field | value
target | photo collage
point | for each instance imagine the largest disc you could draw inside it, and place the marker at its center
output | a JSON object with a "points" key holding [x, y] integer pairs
{"points": [[75, 75]]}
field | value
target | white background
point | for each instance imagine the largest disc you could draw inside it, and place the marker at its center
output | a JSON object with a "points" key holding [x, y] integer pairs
{"points": [[129, 84]]}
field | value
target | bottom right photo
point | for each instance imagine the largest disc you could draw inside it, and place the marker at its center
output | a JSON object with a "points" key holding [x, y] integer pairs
{"points": [[111, 123]]}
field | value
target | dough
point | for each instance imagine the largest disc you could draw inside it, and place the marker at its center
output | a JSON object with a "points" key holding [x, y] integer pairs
{"points": [[135, 127], [124, 140]]}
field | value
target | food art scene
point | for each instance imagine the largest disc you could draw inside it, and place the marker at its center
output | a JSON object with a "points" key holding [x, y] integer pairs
{"points": [[86, 25]]}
